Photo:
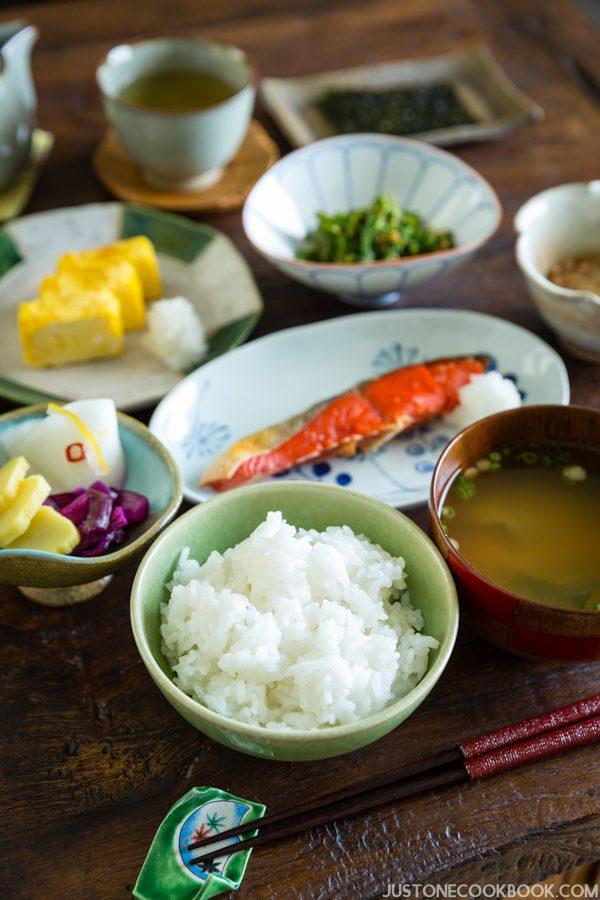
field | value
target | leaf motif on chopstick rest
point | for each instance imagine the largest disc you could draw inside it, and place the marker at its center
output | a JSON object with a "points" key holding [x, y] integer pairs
{"points": [[172, 870]]}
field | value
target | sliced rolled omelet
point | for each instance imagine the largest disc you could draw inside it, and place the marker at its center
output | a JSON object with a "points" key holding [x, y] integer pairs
{"points": [[139, 251], [120, 277], [57, 329]]}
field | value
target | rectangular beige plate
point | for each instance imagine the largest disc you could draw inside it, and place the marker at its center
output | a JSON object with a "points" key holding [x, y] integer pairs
{"points": [[495, 103]]}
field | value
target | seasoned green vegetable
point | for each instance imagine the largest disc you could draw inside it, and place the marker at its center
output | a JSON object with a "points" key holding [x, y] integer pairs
{"points": [[399, 111], [382, 231]]}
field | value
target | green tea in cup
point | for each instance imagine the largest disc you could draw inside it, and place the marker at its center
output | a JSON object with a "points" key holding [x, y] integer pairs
{"points": [[180, 106], [178, 89]]}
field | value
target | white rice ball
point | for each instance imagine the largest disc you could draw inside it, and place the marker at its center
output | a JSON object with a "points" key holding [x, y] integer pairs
{"points": [[294, 629], [483, 395], [176, 334]]}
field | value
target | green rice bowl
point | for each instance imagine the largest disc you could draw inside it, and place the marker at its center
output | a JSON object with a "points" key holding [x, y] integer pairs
{"points": [[227, 521]]}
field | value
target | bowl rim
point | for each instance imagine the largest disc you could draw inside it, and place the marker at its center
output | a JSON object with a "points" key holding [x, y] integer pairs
{"points": [[434, 514], [379, 263], [523, 230], [250, 82], [142, 539], [259, 732]]}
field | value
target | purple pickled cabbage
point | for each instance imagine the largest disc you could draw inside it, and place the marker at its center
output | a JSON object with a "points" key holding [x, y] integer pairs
{"points": [[104, 544], [134, 505], [105, 489], [97, 522], [100, 486], [78, 509], [119, 535], [60, 500], [101, 514], [118, 518]]}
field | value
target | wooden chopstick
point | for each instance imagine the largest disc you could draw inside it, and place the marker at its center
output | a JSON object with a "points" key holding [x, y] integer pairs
{"points": [[396, 775], [445, 776], [493, 740], [535, 725], [489, 753], [577, 734]]}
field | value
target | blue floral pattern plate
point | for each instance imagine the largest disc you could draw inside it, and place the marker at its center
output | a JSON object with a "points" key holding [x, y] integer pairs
{"points": [[270, 379]]}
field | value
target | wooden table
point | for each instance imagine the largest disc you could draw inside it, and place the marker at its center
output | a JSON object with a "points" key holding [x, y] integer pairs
{"points": [[93, 756]]}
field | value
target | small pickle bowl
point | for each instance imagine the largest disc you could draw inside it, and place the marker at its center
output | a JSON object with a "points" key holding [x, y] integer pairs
{"points": [[222, 523], [511, 622], [347, 172], [58, 580], [558, 224]]}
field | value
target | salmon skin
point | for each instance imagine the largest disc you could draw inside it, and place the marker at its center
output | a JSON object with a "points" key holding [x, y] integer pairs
{"points": [[361, 419]]}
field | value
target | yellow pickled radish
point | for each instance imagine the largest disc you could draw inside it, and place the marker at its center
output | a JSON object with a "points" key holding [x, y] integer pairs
{"points": [[12, 474], [85, 432], [17, 517], [49, 532]]}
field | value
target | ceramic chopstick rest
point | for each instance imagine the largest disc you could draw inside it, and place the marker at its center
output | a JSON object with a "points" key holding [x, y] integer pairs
{"points": [[169, 869]]}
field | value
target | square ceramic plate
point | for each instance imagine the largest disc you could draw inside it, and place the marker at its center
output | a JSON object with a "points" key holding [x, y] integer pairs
{"points": [[195, 261], [494, 102]]}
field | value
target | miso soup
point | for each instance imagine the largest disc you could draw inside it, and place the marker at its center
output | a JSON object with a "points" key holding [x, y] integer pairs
{"points": [[527, 517], [178, 89]]}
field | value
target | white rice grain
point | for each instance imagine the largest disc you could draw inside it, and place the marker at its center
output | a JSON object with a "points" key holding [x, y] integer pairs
{"points": [[294, 629]]}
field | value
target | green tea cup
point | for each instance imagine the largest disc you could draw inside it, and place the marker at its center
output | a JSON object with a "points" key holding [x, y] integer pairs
{"points": [[178, 149], [228, 519]]}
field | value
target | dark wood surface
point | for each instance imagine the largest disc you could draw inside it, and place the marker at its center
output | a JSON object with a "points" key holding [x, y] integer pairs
{"points": [[92, 755]]}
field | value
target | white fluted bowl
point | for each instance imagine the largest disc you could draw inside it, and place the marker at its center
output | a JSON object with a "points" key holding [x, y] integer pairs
{"points": [[348, 172]]}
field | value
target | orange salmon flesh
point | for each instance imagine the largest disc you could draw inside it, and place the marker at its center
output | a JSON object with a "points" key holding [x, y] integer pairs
{"points": [[359, 419]]}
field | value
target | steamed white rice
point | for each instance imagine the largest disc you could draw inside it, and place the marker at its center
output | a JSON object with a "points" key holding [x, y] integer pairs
{"points": [[294, 629]]}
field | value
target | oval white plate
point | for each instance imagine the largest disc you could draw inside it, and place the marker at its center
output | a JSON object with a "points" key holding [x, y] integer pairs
{"points": [[282, 374], [194, 259]]}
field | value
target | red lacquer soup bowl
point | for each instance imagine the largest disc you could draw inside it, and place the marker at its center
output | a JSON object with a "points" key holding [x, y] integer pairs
{"points": [[507, 620]]}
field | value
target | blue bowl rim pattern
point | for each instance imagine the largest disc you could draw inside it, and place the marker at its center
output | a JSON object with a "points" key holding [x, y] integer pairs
{"points": [[292, 158]]}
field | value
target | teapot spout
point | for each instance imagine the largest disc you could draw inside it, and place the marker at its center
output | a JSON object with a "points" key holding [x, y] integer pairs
{"points": [[16, 43], [8, 30]]}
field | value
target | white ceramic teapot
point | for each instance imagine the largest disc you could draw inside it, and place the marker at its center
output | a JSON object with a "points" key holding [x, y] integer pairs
{"points": [[17, 98]]}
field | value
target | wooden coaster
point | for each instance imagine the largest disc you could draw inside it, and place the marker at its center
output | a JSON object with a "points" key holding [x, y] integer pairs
{"points": [[122, 176]]}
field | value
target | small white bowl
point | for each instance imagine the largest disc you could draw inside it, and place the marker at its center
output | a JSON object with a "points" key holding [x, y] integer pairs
{"points": [[557, 224], [348, 172]]}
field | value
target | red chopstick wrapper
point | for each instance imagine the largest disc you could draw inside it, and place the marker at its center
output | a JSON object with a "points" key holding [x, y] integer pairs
{"points": [[528, 728]]}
